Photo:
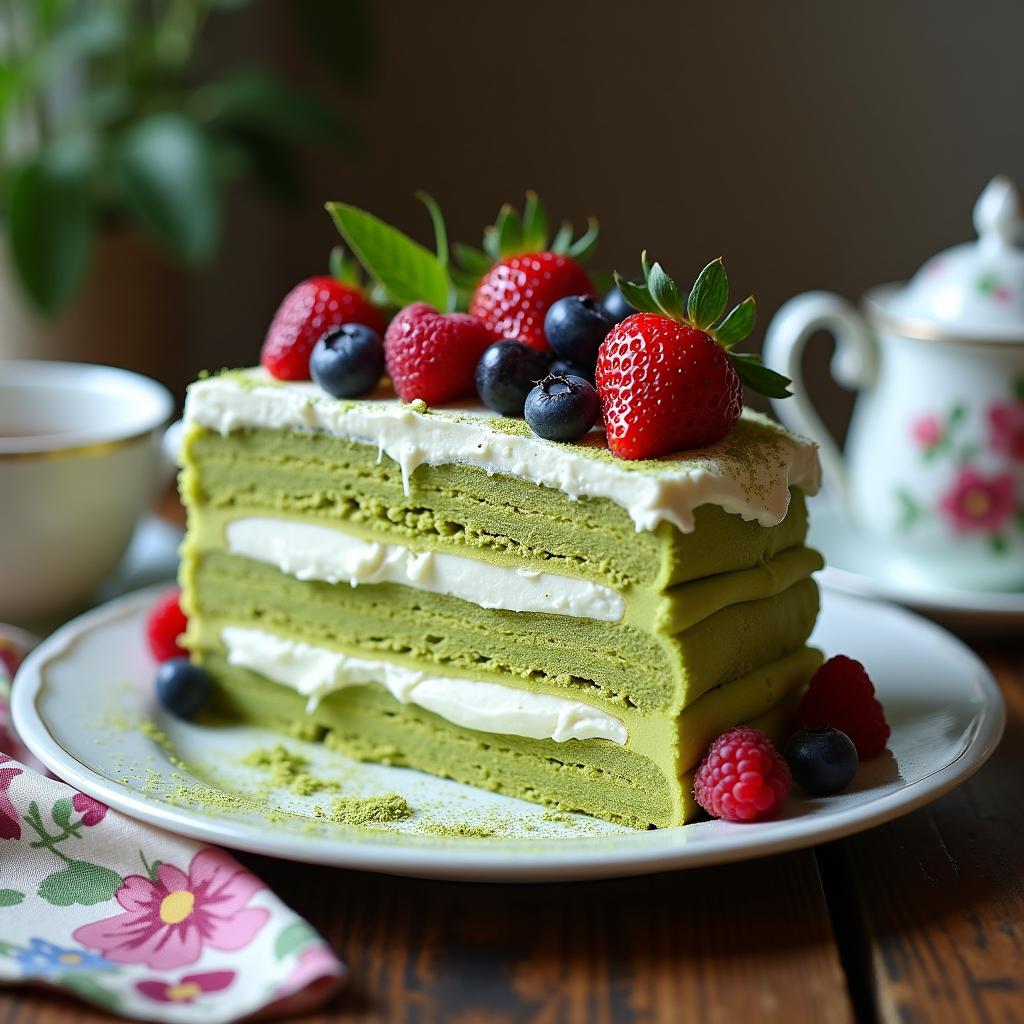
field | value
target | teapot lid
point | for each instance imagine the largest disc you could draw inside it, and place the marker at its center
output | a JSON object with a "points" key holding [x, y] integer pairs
{"points": [[974, 290]]}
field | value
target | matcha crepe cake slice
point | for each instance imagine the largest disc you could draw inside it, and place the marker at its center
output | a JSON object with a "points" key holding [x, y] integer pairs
{"points": [[443, 589]]}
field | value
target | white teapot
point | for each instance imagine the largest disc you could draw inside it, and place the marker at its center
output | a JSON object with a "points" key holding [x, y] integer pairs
{"points": [[934, 457]]}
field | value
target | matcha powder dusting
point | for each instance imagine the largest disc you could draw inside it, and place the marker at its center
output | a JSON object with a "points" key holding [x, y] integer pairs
{"points": [[354, 810]]}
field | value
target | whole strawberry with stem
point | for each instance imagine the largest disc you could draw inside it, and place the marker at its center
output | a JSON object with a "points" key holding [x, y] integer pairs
{"points": [[667, 376], [309, 310], [521, 272], [431, 351]]}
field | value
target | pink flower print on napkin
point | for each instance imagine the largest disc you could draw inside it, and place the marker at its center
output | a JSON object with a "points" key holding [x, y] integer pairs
{"points": [[1006, 428], [169, 919], [926, 431], [10, 827], [979, 504], [185, 990], [92, 811]]}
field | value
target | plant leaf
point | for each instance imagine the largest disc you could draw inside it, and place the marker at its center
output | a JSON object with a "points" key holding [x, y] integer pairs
{"points": [[10, 897], [636, 295], [708, 296], [491, 243], [167, 181], [645, 265], [664, 292], [738, 324], [80, 882], [758, 377], [408, 271], [50, 229], [583, 248], [253, 100], [535, 224]]}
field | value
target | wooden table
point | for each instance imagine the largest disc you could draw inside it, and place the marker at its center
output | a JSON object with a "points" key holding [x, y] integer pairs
{"points": [[921, 920]]}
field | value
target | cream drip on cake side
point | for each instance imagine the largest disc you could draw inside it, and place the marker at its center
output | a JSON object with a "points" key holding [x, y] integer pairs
{"points": [[310, 552], [754, 491], [315, 672]]}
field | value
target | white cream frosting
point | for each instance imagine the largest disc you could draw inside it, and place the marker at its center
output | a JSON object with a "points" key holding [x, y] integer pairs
{"points": [[310, 552], [315, 672], [754, 491]]}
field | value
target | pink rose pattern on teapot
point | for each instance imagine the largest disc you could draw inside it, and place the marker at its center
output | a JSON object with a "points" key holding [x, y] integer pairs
{"points": [[974, 501]]}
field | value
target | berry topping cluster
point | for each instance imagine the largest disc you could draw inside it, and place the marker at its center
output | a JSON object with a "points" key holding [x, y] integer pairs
{"points": [[838, 724], [181, 687], [498, 320]]}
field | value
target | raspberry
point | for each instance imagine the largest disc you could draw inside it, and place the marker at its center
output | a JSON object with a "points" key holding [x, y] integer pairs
{"points": [[742, 777], [166, 622], [841, 695], [433, 355]]}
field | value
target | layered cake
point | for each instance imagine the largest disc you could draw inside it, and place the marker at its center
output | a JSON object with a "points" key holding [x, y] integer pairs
{"points": [[537, 546], [441, 589]]}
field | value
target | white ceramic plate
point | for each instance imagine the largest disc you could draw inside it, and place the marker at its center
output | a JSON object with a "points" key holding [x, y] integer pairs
{"points": [[81, 696], [859, 565]]}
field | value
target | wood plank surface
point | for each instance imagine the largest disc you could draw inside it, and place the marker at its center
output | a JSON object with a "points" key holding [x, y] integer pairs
{"points": [[942, 891], [746, 943]]}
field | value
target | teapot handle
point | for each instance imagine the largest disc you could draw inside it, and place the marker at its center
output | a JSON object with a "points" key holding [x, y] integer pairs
{"points": [[854, 365]]}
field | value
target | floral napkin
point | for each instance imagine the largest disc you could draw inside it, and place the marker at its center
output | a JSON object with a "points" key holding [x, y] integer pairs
{"points": [[133, 919]]}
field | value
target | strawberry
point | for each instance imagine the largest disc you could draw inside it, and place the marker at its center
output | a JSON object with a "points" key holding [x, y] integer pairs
{"points": [[521, 275], [667, 378], [164, 624], [432, 355], [312, 307]]}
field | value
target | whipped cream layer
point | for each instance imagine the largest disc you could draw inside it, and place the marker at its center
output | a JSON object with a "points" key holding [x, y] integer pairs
{"points": [[315, 672], [310, 552], [748, 473]]}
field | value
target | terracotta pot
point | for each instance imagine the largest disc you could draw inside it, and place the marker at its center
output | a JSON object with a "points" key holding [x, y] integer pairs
{"points": [[129, 313]]}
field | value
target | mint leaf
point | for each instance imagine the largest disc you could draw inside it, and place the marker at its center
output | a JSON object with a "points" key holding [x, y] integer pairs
{"points": [[637, 295], [583, 248], [708, 296], [535, 224], [758, 377], [408, 271], [437, 219], [664, 292], [738, 324]]}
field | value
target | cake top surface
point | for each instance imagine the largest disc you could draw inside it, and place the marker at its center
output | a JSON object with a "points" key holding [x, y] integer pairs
{"points": [[749, 472]]}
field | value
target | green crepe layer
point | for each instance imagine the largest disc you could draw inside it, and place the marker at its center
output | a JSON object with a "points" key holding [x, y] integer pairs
{"points": [[606, 664], [462, 510], [647, 783]]}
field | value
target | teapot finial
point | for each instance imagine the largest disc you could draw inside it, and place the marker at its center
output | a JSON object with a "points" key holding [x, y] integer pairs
{"points": [[997, 213]]}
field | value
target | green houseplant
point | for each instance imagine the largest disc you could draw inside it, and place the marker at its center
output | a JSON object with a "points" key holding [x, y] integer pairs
{"points": [[113, 124]]}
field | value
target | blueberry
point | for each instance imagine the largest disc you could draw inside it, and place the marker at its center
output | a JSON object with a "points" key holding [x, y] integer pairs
{"points": [[348, 361], [575, 326], [560, 368], [182, 688], [615, 306], [562, 408], [823, 761], [506, 373]]}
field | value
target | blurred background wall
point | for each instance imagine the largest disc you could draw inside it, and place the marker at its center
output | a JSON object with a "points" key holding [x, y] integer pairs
{"points": [[813, 144]]}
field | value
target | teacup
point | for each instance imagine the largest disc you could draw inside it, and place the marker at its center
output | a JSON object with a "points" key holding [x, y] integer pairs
{"points": [[934, 457], [80, 462]]}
